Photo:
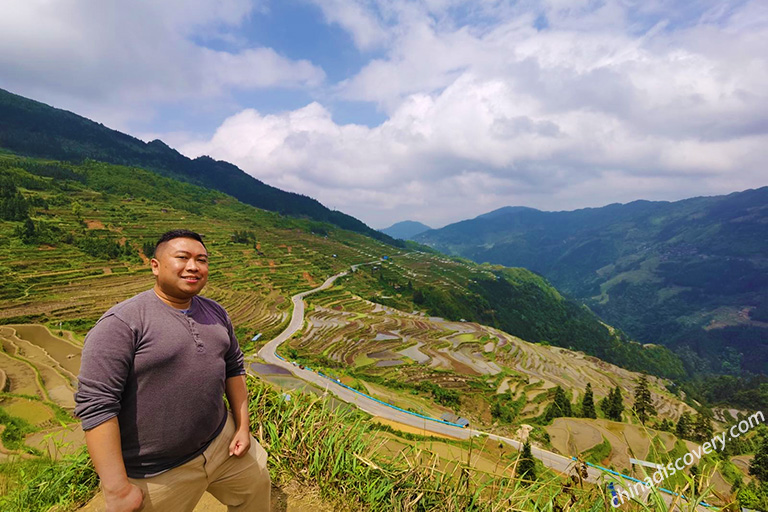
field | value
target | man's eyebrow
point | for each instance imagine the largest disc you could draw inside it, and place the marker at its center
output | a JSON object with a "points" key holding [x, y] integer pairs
{"points": [[182, 251]]}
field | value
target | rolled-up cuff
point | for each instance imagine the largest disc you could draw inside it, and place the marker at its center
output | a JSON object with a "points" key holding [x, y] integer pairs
{"points": [[97, 419], [236, 372]]}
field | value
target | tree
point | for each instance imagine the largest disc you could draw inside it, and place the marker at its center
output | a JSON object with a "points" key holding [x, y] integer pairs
{"points": [[759, 465], [684, 425], [148, 248], [13, 206], [588, 403], [77, 209], [501, 411], [613, 405], [702, 428], [560, 406], [526, 466], [643, 404]]}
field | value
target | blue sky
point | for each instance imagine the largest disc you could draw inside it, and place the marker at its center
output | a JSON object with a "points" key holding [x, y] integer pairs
{"points": [[431, 110]]}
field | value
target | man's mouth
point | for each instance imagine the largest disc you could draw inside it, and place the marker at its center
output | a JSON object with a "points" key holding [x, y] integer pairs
{"points": [[191, 279]]}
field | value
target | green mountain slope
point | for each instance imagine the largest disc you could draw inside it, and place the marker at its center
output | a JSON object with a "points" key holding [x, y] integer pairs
{"points": [[93, 216], [691, 274], [32, 128]]}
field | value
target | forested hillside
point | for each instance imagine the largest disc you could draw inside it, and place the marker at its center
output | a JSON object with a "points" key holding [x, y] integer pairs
{"points": [[32, 128], [692, 275]]}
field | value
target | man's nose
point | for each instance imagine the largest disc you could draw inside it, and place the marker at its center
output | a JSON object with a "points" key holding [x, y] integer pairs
{"points": [[191, 265]]}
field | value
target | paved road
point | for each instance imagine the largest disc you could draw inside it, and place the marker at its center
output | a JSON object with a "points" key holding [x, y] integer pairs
{"points": [[268, 353]]}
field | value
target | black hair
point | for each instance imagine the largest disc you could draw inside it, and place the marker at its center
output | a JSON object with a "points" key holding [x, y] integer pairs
{"points": [[178, 233]]}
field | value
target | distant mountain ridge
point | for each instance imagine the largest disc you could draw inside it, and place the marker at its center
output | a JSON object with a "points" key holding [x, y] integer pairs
{"points": [[690, 274], [406, 229], [32, 128]]}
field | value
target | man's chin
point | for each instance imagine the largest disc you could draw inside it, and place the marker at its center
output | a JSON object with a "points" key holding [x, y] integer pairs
{"points": [[194, 288]]}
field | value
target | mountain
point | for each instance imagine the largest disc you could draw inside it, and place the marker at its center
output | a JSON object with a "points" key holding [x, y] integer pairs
{"points": [[691, 274], [74, 239], [406, 229], [106, 161], [31, 128], [58, 213]]}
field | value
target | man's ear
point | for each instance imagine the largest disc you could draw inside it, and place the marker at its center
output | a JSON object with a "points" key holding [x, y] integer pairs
{"points": [[155, 264]]}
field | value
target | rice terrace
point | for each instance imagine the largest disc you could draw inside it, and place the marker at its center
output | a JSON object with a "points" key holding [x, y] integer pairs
{"points": [[404, 325]]}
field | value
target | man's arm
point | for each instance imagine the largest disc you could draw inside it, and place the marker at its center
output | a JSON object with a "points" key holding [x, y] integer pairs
{"points": [[104, 447], [106, 361], [237, 395]]}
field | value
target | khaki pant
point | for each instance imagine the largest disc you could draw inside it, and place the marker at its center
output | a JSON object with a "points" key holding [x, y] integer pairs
{"points": [[242, 484]]}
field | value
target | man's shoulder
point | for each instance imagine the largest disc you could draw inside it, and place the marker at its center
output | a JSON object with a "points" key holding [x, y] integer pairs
{"points": [[210, 305], [132, 306], [124, 316]]}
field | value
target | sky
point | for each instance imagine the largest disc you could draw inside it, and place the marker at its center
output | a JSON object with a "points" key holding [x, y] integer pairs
{"points": [[427, 110]]}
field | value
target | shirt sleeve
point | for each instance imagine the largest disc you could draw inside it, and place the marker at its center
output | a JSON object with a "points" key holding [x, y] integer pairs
{"points": [[234, 356], [106, 362]]}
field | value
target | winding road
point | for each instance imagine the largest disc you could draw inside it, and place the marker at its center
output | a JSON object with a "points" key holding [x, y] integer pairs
{"points": [[268, 353]]}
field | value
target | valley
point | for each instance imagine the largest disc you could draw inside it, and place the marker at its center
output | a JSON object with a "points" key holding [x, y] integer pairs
{"points": [[376, 328]]}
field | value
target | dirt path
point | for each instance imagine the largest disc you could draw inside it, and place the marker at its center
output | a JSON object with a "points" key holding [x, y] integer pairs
{"points": [[290, 497]]}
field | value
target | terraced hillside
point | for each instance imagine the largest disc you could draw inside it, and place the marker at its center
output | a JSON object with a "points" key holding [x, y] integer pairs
{"points": [[37, 380], [83, 242], [377, 344], [50, 280], [32, 128], [84, 248]]}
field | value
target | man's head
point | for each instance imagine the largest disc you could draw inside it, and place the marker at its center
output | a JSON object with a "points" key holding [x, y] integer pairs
{"points": [[180, 265]]}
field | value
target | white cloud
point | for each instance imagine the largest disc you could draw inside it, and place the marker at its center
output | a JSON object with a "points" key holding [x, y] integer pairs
{"points": [[474, 147], [587, 112], [121, 58], [355, 16], [555, 104]]}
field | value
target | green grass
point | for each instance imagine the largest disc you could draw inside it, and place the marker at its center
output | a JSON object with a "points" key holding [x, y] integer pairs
{"points": [[14, 431], [309, 442], [37, 485], [335, 451]]}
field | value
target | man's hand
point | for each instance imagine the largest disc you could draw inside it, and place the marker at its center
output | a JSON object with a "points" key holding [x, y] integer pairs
{"points": [[103, 443], [126, 499], [241, 443], [237, 395]]}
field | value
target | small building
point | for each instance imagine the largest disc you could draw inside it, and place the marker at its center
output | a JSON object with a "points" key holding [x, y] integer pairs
{"points": [[256, 338], [452, 418]]}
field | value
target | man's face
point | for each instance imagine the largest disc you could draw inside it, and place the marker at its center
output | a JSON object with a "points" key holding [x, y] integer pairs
{"points": [[181, 268]]}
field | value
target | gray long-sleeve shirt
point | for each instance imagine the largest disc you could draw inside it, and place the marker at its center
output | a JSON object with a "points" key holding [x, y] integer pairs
{"points": [[162, 372]]}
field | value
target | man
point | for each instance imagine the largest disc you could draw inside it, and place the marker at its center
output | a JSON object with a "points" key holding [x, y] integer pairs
{"points": [[150, 395]]}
